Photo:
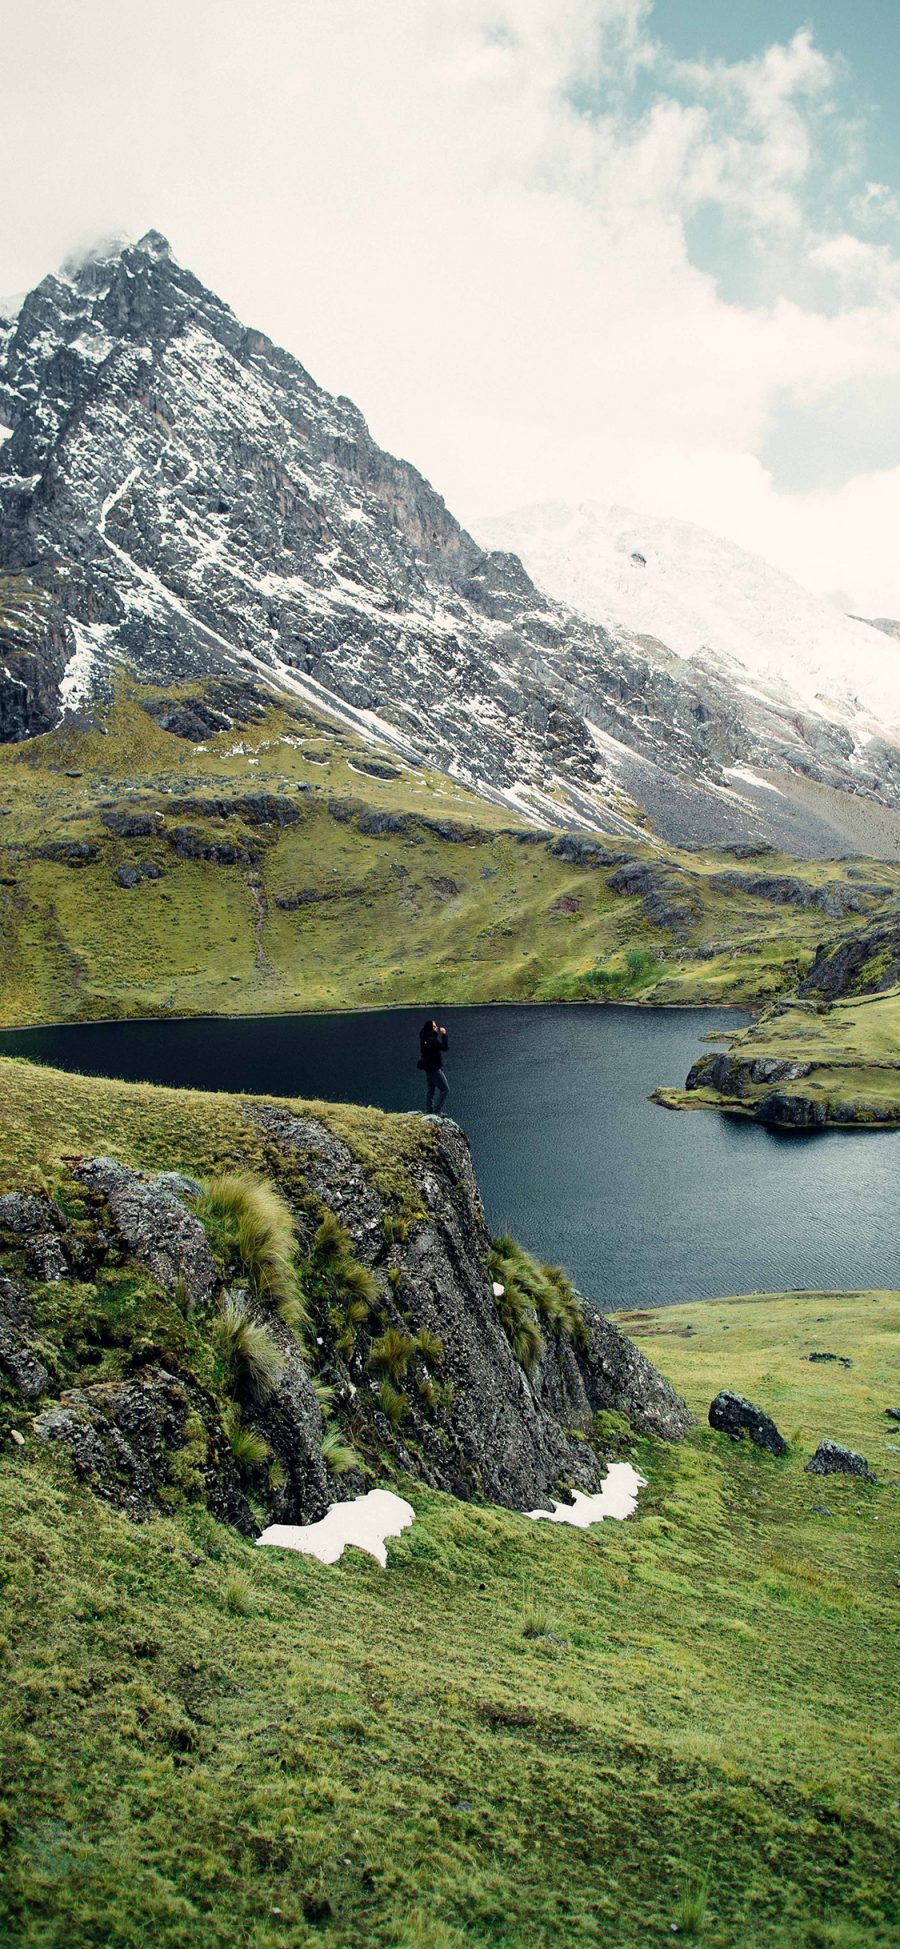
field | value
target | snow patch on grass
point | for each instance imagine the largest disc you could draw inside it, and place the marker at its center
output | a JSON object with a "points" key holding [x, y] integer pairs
{"points": [[617, 1497], [366, 1523]]}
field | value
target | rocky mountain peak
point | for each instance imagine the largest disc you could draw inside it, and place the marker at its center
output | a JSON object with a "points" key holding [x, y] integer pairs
{"points": [[179, 497]]}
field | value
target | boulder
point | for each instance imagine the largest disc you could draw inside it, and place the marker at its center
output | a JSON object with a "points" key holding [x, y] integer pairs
{"points": [[732, 1415], [831, 1458], [151, 1220]]}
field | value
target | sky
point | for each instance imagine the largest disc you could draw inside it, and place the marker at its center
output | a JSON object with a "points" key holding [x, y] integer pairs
{"points": [[643, 252]]}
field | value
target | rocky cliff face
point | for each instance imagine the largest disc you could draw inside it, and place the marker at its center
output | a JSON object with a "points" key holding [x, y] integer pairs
{"points": [[111, 1347], [178, 496]]}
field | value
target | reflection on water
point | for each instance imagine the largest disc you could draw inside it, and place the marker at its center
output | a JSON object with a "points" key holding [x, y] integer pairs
{"points": [[643, 1205]]}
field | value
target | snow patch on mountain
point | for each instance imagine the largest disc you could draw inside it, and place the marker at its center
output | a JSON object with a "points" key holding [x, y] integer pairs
{"points": [[704, 598]]}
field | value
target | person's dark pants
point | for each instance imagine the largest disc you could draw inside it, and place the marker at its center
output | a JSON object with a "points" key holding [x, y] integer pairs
{"points": [[436, 1085]]}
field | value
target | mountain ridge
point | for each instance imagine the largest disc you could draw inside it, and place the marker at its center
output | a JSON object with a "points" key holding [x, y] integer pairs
{"points": [[179, 497]]}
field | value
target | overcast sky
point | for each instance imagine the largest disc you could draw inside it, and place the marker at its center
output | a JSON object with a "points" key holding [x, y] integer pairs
{"points": [[554, 249]]}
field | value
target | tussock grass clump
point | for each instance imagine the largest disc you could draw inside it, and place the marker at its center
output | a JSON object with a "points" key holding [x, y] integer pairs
{"points": [[533, 1296], [391, 1353], [238, 1593], [337, 1453], [331, 1242], [247, 1446], [536, 1621], [249, 1221], [359, 1286], [352, 1287], [430, 1346], [393, 1402], [248, 1348], [690, 1913]]}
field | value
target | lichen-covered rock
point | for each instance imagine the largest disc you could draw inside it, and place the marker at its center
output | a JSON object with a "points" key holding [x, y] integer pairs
{"points": [[792, 1111], [731, 1415], [154, 1224], [618, 1377], [504, 1434], [37, 1223], [290, 1419], [831, 1458], [18, 1360], [134, 1438]]}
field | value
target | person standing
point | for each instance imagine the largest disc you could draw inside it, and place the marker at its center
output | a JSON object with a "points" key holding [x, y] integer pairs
{"points": [[432, 1043]]}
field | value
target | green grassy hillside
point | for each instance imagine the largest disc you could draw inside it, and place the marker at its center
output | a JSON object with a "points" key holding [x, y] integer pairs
{"points": [[519, 1735], [380, 888]]}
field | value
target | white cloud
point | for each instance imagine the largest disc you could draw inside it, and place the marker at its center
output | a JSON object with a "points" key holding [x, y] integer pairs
{"points": [[474, 217]]}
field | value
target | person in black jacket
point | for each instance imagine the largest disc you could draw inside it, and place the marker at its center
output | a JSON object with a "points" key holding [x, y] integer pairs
{"points": [[433, 1042]]}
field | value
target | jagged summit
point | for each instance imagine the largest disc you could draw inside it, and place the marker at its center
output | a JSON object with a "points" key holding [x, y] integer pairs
{"points": [[154, 244], [178, 497]]}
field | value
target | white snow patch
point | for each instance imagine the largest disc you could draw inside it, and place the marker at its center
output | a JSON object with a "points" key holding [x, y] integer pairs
{"points": [[75, 682], [753, 778], [366, 1523], [617, 1497], [5, 433], [703, 596]]}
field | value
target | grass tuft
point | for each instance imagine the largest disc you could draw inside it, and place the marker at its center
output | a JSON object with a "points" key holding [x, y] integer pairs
{"points": [[393, 1401], [238, 1593], [690, 1914], [535, 1621], [337, 1453], [247, 1348], [251, 1223], [391, 1353], [247, 1446]]}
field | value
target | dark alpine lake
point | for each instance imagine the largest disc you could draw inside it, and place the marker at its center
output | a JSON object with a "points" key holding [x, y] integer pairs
{"points": [[644, 1206]]}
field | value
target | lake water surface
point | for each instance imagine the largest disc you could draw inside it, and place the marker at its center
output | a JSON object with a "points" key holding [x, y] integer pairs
{"points": [[644, 1206]]}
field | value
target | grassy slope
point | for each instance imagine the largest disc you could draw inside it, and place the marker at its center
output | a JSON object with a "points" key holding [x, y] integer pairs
{"points": [[49, 1114], [716, 1694], [853, 1045], [411, 915], [203, 1744]]}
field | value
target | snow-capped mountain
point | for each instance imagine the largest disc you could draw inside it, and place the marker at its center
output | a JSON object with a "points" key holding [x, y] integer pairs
{"points": [[178, 497], [706, 598]]}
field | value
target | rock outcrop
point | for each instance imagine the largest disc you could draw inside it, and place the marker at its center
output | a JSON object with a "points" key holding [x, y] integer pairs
{"points": [[133, 1439], [865, 964], [405, 1340]]}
